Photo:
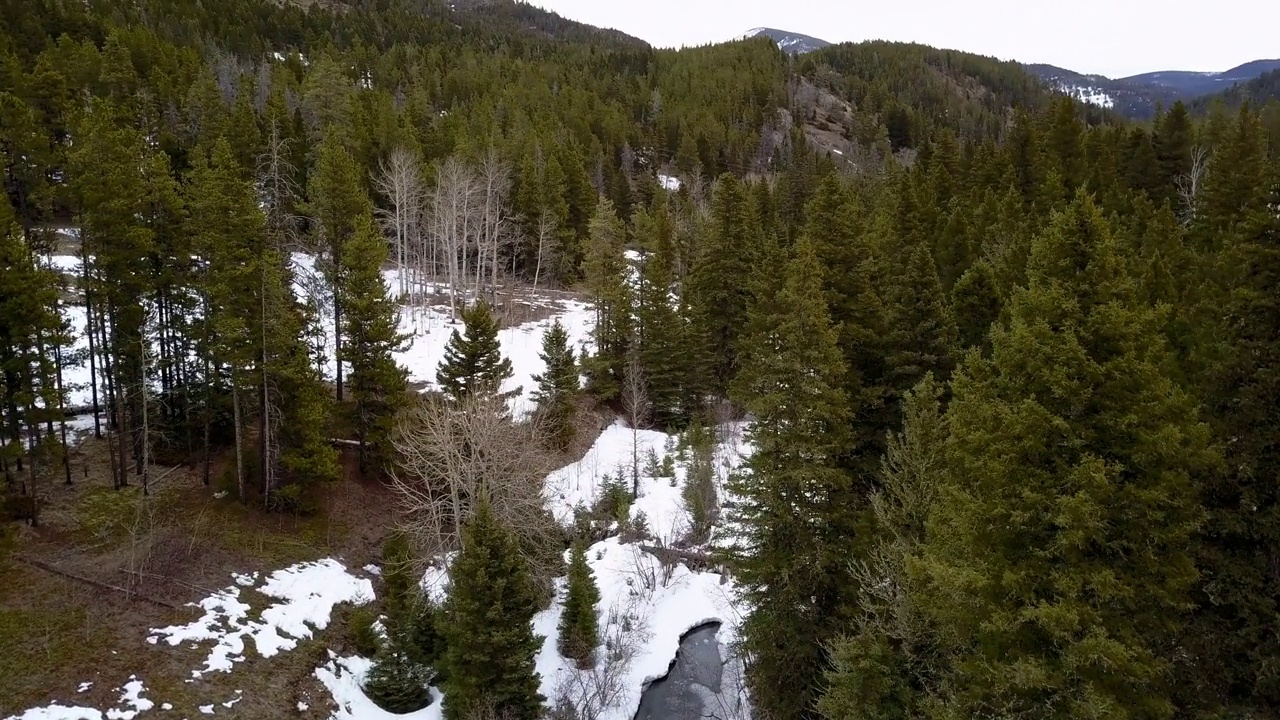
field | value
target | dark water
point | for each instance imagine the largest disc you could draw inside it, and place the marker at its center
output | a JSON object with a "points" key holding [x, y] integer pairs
{"points": [[695, 675]]}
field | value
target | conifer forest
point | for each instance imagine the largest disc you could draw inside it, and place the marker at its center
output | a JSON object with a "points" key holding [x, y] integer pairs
{"points": [[364, 359]]}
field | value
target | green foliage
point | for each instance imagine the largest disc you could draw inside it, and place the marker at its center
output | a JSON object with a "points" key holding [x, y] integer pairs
{"points": [[1240, 542], [473, 365], [378, 385], [795, 508], [558, 387], [718, 298], [490, 647], [579, 626], [397, 574], [884, 666], [604, 273], [363, 633], [397, 684], [701, 498], [1059, 557]]}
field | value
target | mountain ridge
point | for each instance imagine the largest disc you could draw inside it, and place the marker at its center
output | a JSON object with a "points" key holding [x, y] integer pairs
{"points": [[791, 42], [1138, 96]]}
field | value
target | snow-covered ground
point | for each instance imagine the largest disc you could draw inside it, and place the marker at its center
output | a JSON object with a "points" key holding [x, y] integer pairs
{"points": [[428, 328]]}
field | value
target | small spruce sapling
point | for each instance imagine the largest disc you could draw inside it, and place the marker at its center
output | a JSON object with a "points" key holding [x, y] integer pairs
{"points": [[579, 627]]}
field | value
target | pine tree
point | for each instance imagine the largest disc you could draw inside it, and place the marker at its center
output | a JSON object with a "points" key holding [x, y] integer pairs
{"points": [[228, 231], [1233, 640], [975, 304], [473, 364], [604, 271], [490, 646], [886, 665], [336, 200], [717, 297], [397, 684], [922, 334], [664, 365], [1058, 557], [797, 509], [579, 626], [851, 258], [558, 387], [378, 385]]}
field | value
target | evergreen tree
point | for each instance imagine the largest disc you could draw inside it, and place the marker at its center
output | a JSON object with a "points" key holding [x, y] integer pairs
{"points": [[922, 334], [473, 364], [336, 200], [229, 230], [975, 304], [579, 626], [378, 385], [397, 684], [1058, 557], [718, 298], [851, 259], [558, 387], [490, 645], [884, 668], [604, 271], [660, 356], [1233, 640], [797, 509]]}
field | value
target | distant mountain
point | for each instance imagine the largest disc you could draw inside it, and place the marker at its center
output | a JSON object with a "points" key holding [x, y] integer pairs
{"points": [[794, 43], [1139, 95], [1258, 91]]}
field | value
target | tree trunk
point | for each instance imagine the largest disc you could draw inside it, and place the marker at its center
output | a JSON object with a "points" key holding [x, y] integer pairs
{"points": [[235, 405]]}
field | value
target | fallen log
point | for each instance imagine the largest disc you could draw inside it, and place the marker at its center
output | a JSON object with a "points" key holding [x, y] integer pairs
{"points": [[95, 583]]}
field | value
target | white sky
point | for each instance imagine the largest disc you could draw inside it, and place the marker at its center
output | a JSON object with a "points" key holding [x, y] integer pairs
{"points": [[1109, 37]]}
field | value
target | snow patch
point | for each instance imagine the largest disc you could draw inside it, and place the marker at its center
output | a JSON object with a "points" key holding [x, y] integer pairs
{"points": [[131, 696], [58, 712], [344, 676], [669, 183], [1090, 95], [308, 593]]}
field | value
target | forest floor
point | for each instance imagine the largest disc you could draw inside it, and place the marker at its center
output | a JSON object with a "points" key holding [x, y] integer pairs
{"points": [[83, 590]]}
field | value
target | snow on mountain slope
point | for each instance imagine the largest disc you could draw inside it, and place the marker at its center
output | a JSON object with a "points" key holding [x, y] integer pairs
{"points": [[791, 42], [1091, 95]]}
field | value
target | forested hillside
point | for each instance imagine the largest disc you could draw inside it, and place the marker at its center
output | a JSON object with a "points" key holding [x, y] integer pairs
{"points": [[1008, 369]]}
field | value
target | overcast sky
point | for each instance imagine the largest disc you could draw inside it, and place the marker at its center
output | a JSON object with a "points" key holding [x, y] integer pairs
{"points": [[1109, 37]]}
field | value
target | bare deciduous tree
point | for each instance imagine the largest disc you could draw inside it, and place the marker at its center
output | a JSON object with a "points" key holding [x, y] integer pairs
{"points": [[451, 454], [635, 403], [399, 179]]}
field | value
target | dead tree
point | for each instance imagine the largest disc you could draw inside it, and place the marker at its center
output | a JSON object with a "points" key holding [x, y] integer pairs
{"points": [[1190, 183], [547, 244]]}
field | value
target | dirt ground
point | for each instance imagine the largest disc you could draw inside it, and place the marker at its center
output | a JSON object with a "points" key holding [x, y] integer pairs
{"points": [[81, 591]]}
